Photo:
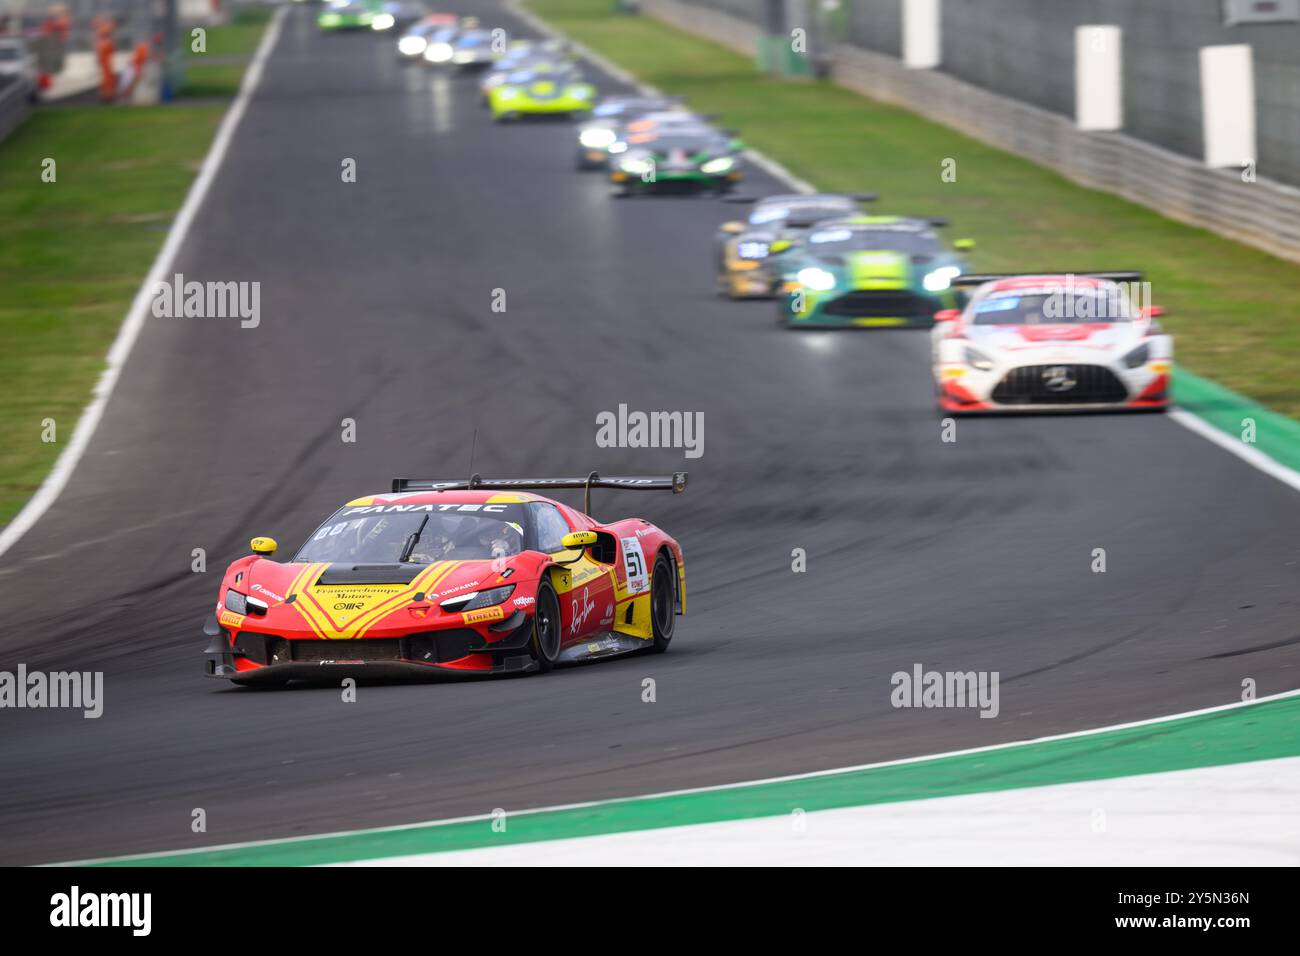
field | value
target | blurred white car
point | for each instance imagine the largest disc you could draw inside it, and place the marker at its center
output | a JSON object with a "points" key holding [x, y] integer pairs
{"points": [[18, 65], [1052, 343]]}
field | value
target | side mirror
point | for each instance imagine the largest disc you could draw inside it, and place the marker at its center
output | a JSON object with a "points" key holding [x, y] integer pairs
{"points": [[732, 227], [964, 245], [1152, 311], [263, 546], [579, 539], [947, 315], [781, 245]]}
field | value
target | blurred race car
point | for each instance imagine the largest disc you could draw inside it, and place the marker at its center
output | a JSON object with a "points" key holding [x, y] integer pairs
{"points": [[468, 48], [609, 119], [541, 54], [685, 158], [533, 91], [744, 248], [415, 40], [867, 271], [467, 577], [348, 15], [1052, 343]]}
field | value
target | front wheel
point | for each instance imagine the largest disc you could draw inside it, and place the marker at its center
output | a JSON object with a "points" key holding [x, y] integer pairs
{"points": [[663, 604], [547, 628]]}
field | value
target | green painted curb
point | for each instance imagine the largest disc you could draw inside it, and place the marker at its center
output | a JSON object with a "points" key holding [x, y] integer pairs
{"points": [[1276, 435], [1262, 731]]}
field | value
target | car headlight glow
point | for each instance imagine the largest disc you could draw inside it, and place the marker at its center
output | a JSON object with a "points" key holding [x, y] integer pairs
{"points": [[578, 92], [1139, 356], [618, 147], [635, 166], [719, 165], [411, 45], [751, 249], [819, 280], [940, 279], [977, 359], [600, 137], [477, 599], [383, 21], [439, 52]]}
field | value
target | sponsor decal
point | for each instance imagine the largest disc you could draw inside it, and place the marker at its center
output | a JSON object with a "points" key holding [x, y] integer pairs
{"points": [[449, 591], [397, 509], [269, 593], [525, 601], [638, 577], [483, 615], [581, 609], [231, 620]]}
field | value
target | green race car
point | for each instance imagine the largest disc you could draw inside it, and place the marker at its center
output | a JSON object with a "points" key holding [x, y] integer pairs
{"points": [[541, 89], [351, 15], [868, 272]]}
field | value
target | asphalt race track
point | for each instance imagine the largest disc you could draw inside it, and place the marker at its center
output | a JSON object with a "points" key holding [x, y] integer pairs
{"points": [[376, 305]]}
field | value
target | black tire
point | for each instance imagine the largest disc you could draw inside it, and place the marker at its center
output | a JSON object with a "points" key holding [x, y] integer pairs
{"points": [[547, 628], [663, 603]]}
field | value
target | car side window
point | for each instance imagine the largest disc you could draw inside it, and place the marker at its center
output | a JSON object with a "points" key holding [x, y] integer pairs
{"points": [[551, 528]]}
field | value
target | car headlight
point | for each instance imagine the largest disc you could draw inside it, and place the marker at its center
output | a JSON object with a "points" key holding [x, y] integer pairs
{"points": [[578, 92], [719, 165], [1139, 356], [477, 599], [618, 147], [411, 46], [439, 52], [507, 93], [977, 359], [600, 137], [752, 249], [819, 280], [383, 21], [940, 279], [636, 166], [236, 602]]}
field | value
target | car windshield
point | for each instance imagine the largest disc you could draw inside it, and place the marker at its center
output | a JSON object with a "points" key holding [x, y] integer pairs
{"points": [[874, 239], [378, 534], [803, 214], [1059, 307], [686, 142]]}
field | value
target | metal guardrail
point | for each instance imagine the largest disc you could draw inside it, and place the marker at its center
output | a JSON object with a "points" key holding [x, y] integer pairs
{"points": [[1264, 214]]}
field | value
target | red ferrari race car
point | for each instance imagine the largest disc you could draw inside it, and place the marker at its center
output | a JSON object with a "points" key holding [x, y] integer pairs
{"points": [[462, 577]]}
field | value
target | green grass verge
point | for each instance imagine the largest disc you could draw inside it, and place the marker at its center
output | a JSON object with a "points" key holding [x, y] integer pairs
{"points": [[73, 254], [211, 73], [1234, 311]]}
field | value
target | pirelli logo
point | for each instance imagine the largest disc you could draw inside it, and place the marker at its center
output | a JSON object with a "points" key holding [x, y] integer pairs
{"points": [[486, 614]]}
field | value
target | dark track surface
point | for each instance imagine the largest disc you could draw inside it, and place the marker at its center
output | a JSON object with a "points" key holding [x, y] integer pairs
{"points": [[376, 306]]}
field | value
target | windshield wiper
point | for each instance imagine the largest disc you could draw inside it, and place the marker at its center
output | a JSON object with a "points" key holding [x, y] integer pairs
{"points": [[412, 540]]}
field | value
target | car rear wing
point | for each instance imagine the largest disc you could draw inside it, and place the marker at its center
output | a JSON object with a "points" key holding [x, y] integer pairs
{"points": [[676, 483], [979, 279]]}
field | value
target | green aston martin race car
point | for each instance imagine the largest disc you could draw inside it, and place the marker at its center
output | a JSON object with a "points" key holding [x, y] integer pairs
{"points": [[541, 89], [868, 271]]}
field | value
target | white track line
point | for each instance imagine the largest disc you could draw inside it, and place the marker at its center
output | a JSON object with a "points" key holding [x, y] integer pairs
{"points": [[57, 479], [1247, 453], [992, 748]]}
